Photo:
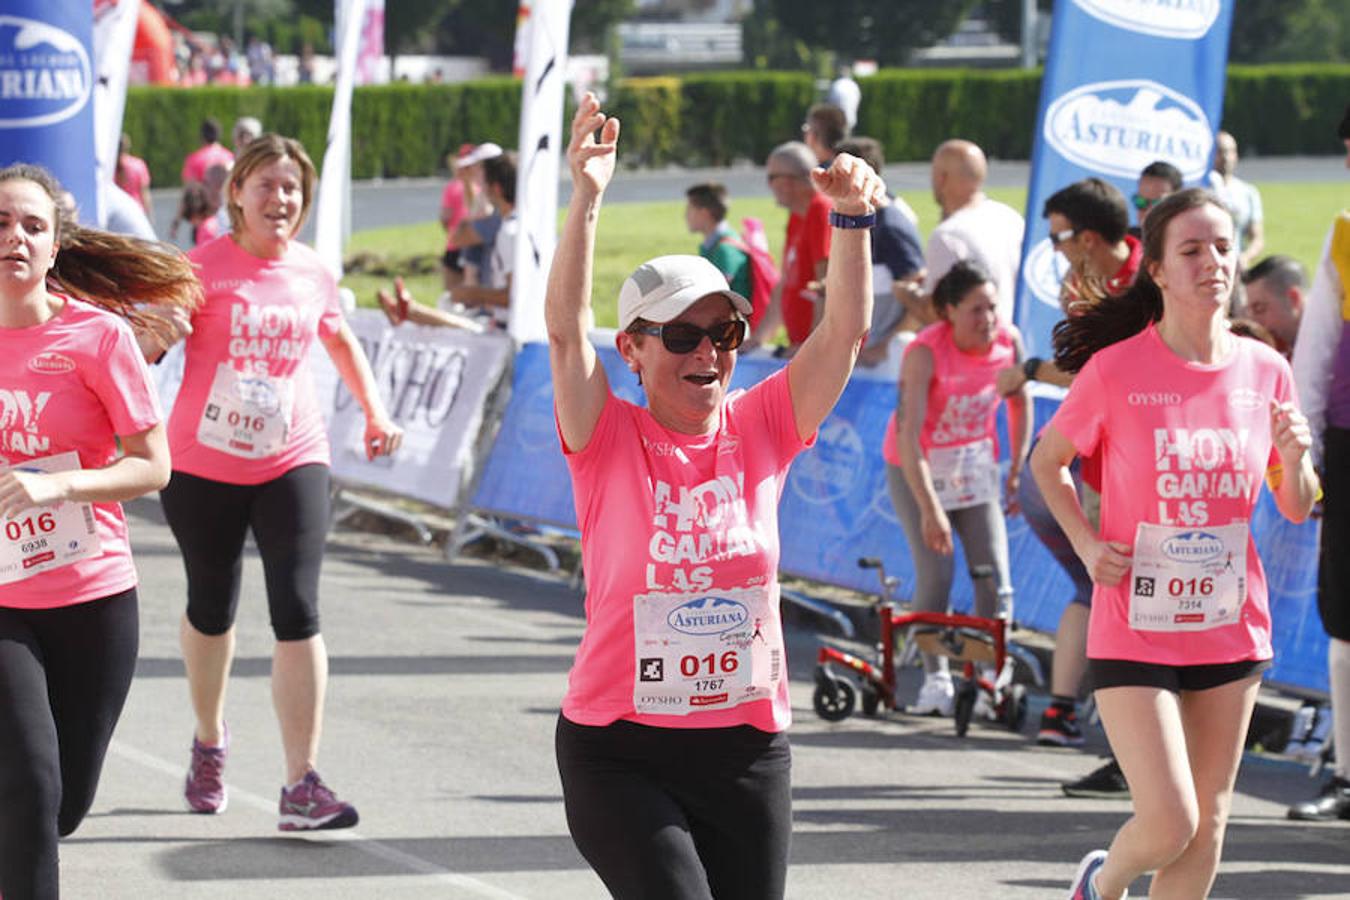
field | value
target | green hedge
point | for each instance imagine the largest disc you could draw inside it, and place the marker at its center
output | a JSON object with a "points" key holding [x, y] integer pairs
{"points": [[1287, 109], [911, 112], [712, 119], [742, 115]]}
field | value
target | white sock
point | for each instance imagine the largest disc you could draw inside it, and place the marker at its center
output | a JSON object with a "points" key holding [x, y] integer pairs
{"points": [[1338, 672]]}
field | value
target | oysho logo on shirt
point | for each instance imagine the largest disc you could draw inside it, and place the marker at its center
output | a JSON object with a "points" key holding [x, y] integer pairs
{"points": [[1245, 398], [45, 77], [1119, 127], [1185, 19], [51, 363], [1153, 398]]}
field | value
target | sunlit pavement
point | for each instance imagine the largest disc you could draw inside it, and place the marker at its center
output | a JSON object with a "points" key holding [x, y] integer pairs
{"points": [[444, 692]]}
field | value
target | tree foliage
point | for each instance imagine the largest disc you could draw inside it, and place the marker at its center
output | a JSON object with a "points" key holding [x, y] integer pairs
{"points": [[1290, 31], [884, 30]]}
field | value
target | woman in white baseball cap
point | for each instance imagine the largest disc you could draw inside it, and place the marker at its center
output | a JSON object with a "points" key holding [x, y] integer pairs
{"points": [[671, 744]]}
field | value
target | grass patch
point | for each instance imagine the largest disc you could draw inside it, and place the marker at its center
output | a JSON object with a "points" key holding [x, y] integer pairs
{"points": [[1296, 220]]}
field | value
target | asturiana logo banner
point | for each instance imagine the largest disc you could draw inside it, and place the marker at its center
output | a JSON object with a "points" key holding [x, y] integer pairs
{"points": [[1119, 127], [45, 73], [1044, 271], [1182, 19]]}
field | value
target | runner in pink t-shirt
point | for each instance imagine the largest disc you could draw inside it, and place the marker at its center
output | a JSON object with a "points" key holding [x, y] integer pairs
{"points": [[251, 454], [210, 153], [79, 433], [683, 655], [133, 176], [942, 456], [455, 200], [1187, 419]]}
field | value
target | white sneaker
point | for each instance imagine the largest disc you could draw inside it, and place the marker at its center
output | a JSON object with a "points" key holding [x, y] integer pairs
{"points": [[936, 697]]}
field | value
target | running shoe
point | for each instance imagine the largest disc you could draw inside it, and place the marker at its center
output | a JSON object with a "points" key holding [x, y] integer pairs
{"points": [[1332, 803], [936, 697], [1104, 783], [205, 788], [1308, 737], [1059, 728], [1084, 884], [311, 806]]}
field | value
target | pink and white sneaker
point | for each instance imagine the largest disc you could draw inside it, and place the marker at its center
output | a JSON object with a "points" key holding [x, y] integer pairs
{"points": [[311, 806], [205, 788]]}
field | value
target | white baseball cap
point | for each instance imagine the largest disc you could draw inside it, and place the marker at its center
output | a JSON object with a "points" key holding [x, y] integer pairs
{"points": [[662, 288], [481, 153]]}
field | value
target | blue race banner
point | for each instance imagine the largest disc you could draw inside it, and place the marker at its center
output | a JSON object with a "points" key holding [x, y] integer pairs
{"points": [[1127, 83], [46, 90]]}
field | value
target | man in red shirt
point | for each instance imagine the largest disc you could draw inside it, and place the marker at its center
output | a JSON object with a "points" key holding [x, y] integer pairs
{"points": [[1089, 223], [796, 302]]}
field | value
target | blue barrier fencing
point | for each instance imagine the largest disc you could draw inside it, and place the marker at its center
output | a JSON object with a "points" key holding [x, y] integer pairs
{"points": [[835, 507]]}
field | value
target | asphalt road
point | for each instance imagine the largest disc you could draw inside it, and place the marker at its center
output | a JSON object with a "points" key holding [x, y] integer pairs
{"points": [[445, 687], [407, 201]]}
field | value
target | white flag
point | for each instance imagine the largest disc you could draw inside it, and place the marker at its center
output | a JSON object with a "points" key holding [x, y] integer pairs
{"points": [[332, 209], [541, 148], [114, 35]]}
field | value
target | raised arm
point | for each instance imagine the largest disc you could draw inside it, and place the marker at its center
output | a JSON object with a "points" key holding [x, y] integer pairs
{"points": [[819, 371], [579, 383]]}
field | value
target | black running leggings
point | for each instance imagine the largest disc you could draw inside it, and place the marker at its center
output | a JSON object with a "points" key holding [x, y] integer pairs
{"points": [[679, 813], [289, 519], [64, 675]]}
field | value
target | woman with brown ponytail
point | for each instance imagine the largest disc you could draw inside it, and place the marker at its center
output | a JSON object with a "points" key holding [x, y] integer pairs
{"points": [[80, 431]]}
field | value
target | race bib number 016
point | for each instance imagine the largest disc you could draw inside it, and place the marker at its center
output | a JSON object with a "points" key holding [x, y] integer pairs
{"points": [[246, 415], [704, 651], [47, 537], [1188, 579], [964, 475]]}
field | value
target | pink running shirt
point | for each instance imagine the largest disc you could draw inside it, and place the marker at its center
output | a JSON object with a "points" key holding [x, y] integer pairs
{"points": [[452, 198], [695, 515], [203, 158], [962, 399], [1184, 445], [133, 175], [259, 316], [74, 383]]}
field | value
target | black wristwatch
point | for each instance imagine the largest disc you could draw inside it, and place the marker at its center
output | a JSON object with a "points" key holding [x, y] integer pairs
{"points": [[1030, 367]]}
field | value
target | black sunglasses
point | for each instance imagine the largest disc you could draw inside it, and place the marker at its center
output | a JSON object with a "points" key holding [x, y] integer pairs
{"points": [[682, 337], [1059, 237]]}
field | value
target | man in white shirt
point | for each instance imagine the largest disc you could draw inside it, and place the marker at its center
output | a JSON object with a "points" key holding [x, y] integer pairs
{"points": [[1241, 198], [846, 94], [973, 226]]}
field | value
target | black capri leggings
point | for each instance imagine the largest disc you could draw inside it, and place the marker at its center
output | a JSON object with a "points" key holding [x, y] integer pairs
{"points": [[289, 519], [1333, 573], [679, 813], [64, 675]]}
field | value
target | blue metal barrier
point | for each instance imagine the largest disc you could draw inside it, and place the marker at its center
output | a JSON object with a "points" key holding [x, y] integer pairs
{"points": [[835, 508]]}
